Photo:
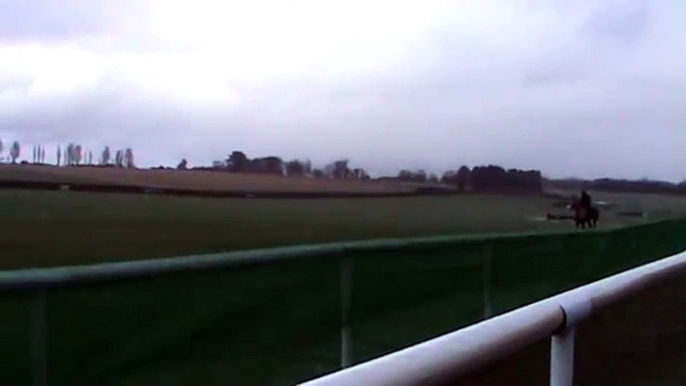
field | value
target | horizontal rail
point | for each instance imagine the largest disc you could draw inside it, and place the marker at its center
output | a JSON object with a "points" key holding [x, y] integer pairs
{"points": [[45, 278], [456, 354], [213, 193]]}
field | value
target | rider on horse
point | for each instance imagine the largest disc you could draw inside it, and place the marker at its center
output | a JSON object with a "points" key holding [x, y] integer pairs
{"points": [[585, 212]]}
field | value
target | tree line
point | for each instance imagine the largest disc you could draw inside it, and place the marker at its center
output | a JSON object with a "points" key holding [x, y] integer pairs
{"points": [[618, 185], [482, 179], [73, 155], [239, 162], [490, 178]]}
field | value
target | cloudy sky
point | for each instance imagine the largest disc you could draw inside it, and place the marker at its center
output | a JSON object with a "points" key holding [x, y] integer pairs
{"points": [[573, 87]]}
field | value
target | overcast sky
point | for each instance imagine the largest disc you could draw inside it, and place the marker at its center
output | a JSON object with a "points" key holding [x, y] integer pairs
{"points": [[572, 87]]}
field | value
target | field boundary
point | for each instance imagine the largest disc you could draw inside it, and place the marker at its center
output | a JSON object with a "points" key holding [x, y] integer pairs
{"points": [[140, 189]]}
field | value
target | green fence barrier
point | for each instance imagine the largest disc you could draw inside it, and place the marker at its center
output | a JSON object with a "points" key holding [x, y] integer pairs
{"points": [[281, 316]]}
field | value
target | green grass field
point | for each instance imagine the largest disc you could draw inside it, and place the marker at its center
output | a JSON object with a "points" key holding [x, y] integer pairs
{"points": [[41, 228], [279, 323]]}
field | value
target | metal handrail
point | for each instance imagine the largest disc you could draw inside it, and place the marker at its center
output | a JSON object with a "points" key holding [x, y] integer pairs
{"points": [[451, 356]]}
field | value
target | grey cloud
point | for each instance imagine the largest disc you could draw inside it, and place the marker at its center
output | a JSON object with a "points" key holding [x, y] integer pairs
{"points": [[554, 99], [54, 20], [620, 21]]}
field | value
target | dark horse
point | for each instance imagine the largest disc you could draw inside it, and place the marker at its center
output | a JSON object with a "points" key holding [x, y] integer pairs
{"points": [[583, 216]]}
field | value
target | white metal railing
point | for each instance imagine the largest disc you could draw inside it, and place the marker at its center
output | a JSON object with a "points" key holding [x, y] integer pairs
{"points": [[451, 356]]}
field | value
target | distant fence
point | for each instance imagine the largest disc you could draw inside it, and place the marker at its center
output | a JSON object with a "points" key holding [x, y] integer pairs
{"points": [[283, 316], [209, 193]]}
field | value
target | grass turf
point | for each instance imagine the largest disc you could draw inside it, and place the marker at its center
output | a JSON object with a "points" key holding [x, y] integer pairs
{"points": [[41, 228], [64, 228]]}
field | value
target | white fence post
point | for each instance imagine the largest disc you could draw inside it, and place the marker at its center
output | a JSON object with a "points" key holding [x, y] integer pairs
{"points": [[346, 303], [39, 339], [562, 358]]}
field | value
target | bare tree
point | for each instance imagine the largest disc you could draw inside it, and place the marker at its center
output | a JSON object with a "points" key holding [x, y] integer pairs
{"points": [[15, 151], [69, 159], [59, 155], [128, 158], [78, 154], [119, 159], [106, 156]]}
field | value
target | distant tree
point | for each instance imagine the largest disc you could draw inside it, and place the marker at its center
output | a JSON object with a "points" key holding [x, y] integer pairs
{"points": [[464, 176], [106, 156], [182, 165], [237, 162], [328, 170], [494, 178], [219, 164], [341, 169], [307, 164], [35, 154], [15, 151], [359, 174], [1, 147], [295, 168], [90, 157], [405, 175], [78, 155], [59, 155], [449, 177], [318, 173], [337, 169], [266, 165], [119, 159], [128, 158], [70, 154], [433, 179], [420, 176], [410, 176]]}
